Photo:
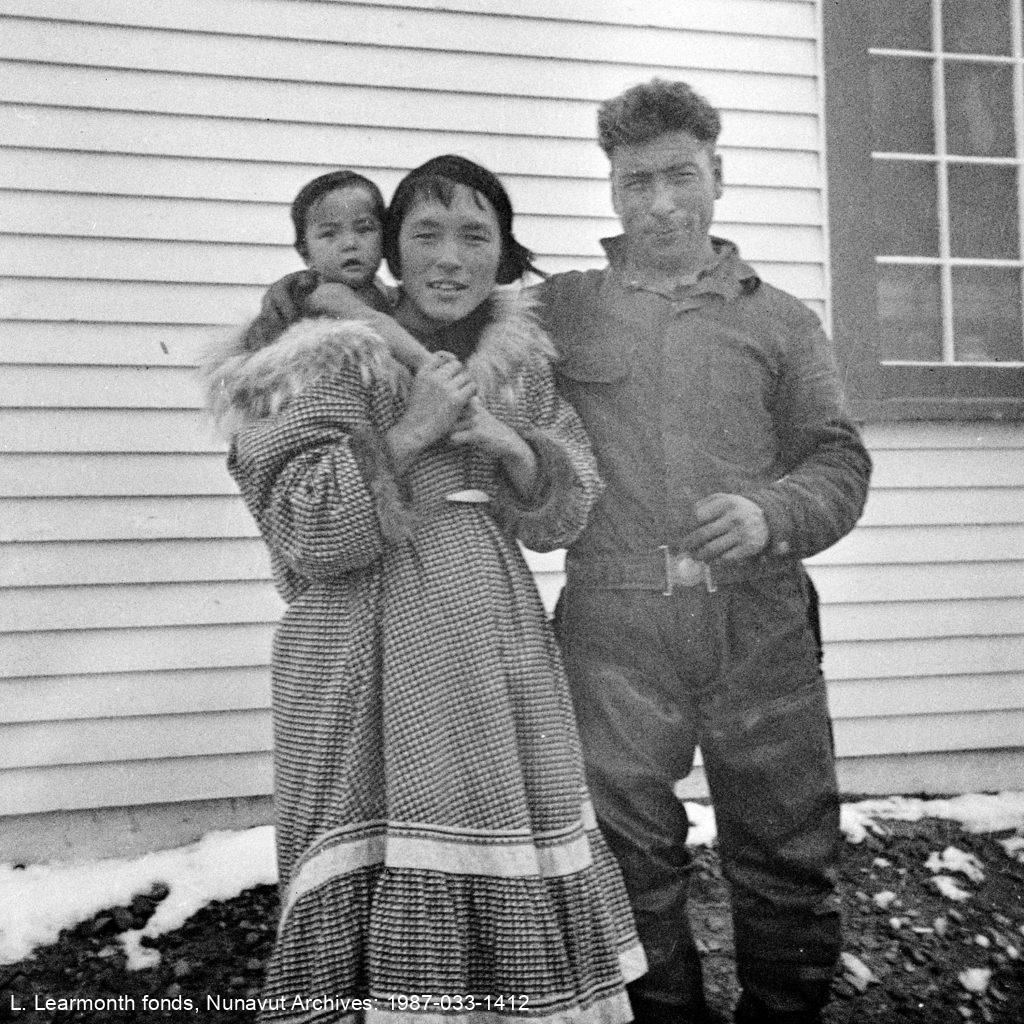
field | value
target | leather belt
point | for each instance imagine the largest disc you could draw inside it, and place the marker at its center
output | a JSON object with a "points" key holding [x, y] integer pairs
{"points": [[666, 571]]}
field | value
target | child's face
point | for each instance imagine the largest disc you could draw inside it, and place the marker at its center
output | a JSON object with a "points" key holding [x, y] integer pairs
{"points": [[344, 240]]}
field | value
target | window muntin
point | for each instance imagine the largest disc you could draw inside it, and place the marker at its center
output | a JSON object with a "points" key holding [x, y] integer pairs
{"points": [[947, 118]]}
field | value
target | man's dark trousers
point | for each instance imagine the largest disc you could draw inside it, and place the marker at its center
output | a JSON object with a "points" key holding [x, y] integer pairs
{"points": [[736, 672]]}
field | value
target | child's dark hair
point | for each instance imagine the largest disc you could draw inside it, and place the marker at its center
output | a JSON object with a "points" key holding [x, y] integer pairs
{"points": [[435, 181], [645, 111], [313, 190]]}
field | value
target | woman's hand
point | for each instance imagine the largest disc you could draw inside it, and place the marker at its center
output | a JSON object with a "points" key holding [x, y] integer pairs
{"points": [[440, 392], [481, 428]]}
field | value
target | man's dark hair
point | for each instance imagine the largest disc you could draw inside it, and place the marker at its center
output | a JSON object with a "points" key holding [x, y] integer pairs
{"points": [[313, 190], [435, 181], [645, 111]]}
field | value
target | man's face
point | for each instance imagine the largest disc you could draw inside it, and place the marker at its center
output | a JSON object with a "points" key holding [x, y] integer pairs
{"points": [[664, 193]]}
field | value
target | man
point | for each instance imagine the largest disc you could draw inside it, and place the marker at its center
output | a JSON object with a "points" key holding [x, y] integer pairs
{"points": [[714, 407], [715, 411]]}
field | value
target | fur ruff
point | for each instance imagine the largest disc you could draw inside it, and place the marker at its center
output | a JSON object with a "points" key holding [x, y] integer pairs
{"points": [[243, 386]]}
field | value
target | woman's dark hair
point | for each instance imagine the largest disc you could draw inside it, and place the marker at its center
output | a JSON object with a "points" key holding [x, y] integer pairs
{"points": [[435, 181], [313, 190]]}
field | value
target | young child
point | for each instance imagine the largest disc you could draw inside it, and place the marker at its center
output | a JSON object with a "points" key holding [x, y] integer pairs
{"points": [[339, 233]]}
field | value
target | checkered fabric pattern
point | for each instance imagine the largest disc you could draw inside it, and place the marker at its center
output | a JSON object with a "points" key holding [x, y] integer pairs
{"points": [[434, 831]]}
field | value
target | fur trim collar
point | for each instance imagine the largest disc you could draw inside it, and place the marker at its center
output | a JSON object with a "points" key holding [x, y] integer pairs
{"points": [[244, 385]]}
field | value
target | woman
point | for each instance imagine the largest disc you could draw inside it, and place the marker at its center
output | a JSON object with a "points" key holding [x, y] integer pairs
{"points": [[436, 846]]}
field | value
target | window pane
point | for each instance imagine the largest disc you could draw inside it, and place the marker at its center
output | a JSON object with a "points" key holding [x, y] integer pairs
{"points": [[906, 25], [987, 315], [904, 208], [976, 26], [983, 211], [909, 312], [979, 109], [901, 105]]}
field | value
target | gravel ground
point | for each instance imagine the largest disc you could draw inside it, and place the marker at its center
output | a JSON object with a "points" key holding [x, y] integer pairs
{"points": [[912, 947]]}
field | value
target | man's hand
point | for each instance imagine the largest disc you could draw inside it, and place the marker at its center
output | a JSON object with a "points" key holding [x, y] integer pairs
{"points": [[731, 527]]}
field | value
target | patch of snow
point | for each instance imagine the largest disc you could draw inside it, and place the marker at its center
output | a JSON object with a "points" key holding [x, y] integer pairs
{"points": [[884, 900], [952, 859], [976, 812], [948, 887], [975, 979], [38, 901], [856, 972], [1014, 847]]}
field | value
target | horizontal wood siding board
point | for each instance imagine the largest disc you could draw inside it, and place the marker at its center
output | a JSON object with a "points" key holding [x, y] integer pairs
{"points": [[72, 563], [884, 698], [149, 92], [962, 771], [55, 430], [911, 620], [214, 260], [305, 28], [911, 437], [96, 225], [125, 783], [912, 734], [140, 694], [146, 649], [937, 506], [98, 740], [39, 342], [882, 545], [947, 468], [930, 656], [137, 740], [39, 127], [124, 518], [266, 189], [116, 695], [792, 19], [36, 609], [935, 581], [23, 476], [130, 303]]}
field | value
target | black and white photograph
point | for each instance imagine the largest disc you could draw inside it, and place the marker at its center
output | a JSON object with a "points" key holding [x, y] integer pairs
{"points": [[512, 511]]}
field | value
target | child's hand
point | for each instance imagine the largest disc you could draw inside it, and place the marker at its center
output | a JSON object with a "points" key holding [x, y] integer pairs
{"points": [[283, 300], [336, 299]]}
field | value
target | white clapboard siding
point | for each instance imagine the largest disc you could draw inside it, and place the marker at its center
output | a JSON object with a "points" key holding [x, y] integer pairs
{"points": [[150, 154], [123, 782], [116, 695], [268, 188]]}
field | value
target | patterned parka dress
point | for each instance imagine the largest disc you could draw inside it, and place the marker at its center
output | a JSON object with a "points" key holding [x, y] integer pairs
{"points": [[437, 849]]}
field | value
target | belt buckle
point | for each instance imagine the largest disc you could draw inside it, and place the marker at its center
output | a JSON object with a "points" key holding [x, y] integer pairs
{"points": [[684, 571]]}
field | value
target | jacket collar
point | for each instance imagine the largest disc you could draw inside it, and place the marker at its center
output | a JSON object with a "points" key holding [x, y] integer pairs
{"points": [[728, 275]]}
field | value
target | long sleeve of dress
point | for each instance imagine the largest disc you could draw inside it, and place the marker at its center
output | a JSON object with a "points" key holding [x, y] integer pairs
{"points": [[567, 479], [313, 476]]}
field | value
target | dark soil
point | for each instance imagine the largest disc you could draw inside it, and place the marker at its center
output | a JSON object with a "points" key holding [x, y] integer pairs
{"points": [[220, 952]]}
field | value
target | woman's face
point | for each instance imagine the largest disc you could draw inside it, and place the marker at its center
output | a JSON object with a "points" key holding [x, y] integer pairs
{"points": [[450, 257]]}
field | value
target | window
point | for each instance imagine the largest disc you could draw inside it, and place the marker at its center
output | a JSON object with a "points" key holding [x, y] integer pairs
{"points": [[925, 133]]}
